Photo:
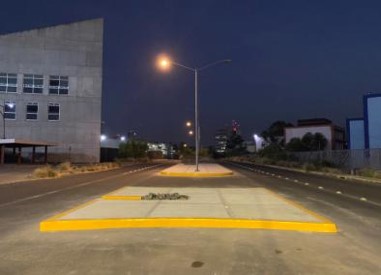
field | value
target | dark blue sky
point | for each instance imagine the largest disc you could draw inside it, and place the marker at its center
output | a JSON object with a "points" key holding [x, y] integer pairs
{"points": [[291, 59]]}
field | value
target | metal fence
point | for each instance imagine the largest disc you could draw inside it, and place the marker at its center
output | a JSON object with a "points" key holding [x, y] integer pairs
{"points": [[348, 159]]}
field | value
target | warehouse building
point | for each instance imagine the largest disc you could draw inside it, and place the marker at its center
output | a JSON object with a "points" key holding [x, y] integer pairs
{"points": [[51, 88]]}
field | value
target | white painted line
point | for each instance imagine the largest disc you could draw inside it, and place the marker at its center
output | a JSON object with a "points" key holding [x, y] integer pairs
{"points": [[296, 181], [63, 189], [363, 199], [320, 187], [306, 184], [338, 192]]}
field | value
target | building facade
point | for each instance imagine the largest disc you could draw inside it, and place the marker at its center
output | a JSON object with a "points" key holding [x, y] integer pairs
{"points": [[333, 133], [355, 133], [51, 88], [365, 133]]}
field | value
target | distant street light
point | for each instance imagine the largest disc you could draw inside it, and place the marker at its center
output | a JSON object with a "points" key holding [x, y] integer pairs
{"points": [[122, 138], [190, 132], [165, 63], [188, 124], [103, 137]]}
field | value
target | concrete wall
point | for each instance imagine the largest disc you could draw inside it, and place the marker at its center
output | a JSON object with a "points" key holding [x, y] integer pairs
{"points": [[299, 132], [74, 50]]}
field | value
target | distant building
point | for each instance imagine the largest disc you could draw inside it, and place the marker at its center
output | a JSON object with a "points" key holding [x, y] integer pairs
{"points": [[366, 132], [221, 140], [51, 88], [166, 149], [334, 134]]}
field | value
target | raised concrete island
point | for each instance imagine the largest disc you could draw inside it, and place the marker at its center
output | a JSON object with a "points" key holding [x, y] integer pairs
{"points": [[252, 208], [205, 170]]}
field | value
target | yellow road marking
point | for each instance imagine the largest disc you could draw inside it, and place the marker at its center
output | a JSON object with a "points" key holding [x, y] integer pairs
{"points": [[196, 174], [127, 198], [65, 225]]}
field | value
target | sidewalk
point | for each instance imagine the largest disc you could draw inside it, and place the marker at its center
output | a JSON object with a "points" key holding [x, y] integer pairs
{"points": [[250, 208], [205, 170]]}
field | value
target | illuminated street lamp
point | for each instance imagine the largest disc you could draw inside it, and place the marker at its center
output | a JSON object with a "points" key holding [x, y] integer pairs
{"points": [[103, 137], [190, 133], [188, 124], [165, 63]]}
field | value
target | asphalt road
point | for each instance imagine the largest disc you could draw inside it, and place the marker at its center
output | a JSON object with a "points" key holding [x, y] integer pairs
{"points": [[356, 249]]}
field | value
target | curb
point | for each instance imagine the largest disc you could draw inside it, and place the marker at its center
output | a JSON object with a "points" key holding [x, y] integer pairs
{"points": [[96, 224]]}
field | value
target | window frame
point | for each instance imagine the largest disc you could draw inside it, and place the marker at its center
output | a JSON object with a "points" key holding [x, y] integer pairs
{"points": [[59, 88], [33, 86], [30, 113], [7, 112], [7, 84], [59, 111]]}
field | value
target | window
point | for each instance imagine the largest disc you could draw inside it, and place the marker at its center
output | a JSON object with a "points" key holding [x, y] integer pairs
{"points": [[31, 111], [8, 83], [58, 85], [33, 84], [53, 111], [9, 110]]}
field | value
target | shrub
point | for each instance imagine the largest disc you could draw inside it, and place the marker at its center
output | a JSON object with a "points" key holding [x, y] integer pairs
{"points": [[65, 167], [45, 172]]}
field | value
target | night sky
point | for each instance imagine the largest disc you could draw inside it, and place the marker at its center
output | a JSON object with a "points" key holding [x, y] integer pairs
{"points": [[291, 59]]}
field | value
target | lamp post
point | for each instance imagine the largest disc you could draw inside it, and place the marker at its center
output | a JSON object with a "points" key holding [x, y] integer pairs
{"points": [[2, 115], [165, 64]]}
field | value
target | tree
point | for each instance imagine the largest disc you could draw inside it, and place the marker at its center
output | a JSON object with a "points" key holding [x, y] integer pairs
{"points": [[275, 133], [319, 142], [296, 145], [309, 142], [235, 144], [133, 149]]}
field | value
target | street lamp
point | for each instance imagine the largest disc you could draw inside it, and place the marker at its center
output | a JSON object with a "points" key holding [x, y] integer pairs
{"points": [[103, 137], [165, 63], [188, 124], [2, 112]]}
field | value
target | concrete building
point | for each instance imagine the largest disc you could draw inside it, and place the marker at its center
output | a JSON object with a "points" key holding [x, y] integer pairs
{"points": [[365, 133], [51, 88], [334, 134]]}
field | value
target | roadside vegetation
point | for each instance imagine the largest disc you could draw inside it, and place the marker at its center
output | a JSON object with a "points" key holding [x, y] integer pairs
{"points": [[278, 153], [66, 168]]}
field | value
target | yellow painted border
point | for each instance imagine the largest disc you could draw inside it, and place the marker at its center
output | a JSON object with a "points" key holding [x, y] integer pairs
{"points": [[126, 198], [70, 225], [196, 174]]}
